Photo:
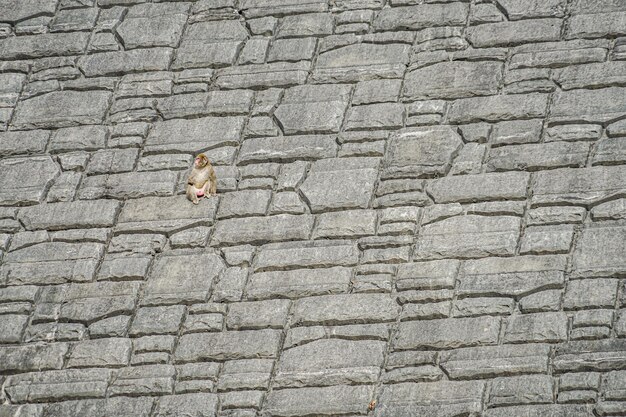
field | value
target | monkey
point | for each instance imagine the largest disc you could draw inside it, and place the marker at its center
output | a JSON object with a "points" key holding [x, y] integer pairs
{"points": [[202, 181]]}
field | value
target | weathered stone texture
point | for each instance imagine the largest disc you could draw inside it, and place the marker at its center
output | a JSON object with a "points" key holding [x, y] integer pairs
{"points": [[420, 208]]}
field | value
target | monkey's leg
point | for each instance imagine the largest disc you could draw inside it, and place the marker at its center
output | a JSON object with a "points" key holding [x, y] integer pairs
{"points": [[213, 189], [191, 194], [205, 193]]}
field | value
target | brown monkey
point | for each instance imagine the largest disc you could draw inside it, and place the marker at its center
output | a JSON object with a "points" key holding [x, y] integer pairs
{"points": [[202, 181]]}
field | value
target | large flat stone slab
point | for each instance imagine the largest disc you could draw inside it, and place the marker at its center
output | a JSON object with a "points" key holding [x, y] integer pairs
{"points": [[421, 152], [174, 279], [298, 283], [480, 187], [328, 401], [18, 186], [32, 357], [15, 10], [599, 105], [497, 108], [330, 362], [340, 184], [513, 277], [286, 148], [345, 309], [244, 344], [73, 215], [210, 44], [469, 236], [447, 333], [195, 135], [443, 398], [165, 214], [42, 45], [58, 385], [493, 361], [275, 74], [124, 62], [51, 262], [361, 62], [600, 252], [421, 16], [453, 80], [251, 230], [584, 187], [322, 254], [149, 25], [62, 109], [313, 109]]}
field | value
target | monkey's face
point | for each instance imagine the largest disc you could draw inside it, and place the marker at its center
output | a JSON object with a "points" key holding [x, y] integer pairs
{"points": [[200, 161]]}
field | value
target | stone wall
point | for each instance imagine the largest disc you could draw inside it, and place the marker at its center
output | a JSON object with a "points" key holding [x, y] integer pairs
{"points": [[420, 202]]}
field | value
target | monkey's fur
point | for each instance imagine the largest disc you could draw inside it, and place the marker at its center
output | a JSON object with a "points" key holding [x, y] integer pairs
{"points": [[202, 181]]}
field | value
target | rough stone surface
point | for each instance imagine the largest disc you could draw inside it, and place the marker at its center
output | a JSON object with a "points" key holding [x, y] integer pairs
{"points": [[420, 209]]}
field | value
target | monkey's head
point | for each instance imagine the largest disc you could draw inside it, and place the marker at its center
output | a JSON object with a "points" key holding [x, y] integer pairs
{"points": [[201, 161]]}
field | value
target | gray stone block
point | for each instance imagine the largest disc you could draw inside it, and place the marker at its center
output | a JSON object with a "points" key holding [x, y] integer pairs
{"points": [[538, 327], [58, 385], [246, 374], [123, 62], [318, 109], [481, 187], [322, 190], [298, 283], [345, 309], [529, 389], [314, 24], [43, 45], [493, 361], [421, 151], [108, 353], [16, 10], [421, 16], [59, 109], [28, 142], [597, 25], [157, 320], [468, 236], [200, 405], [532, 157], [497, 108], [336, 400], [453, 80], [262, 229], [90, 302], [582, 187], [361, 62], [20, 188], [330, 362], [52, 262], [77, 214], [143, 380], [244, 344], [514, 277], [437, 398], [447, 333], [600, 105], [173, 279], [165, 214], [275, 74], [149, 25], [287, 148], [168, 135], [210, 44], [258, 315], [511, 33]]}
